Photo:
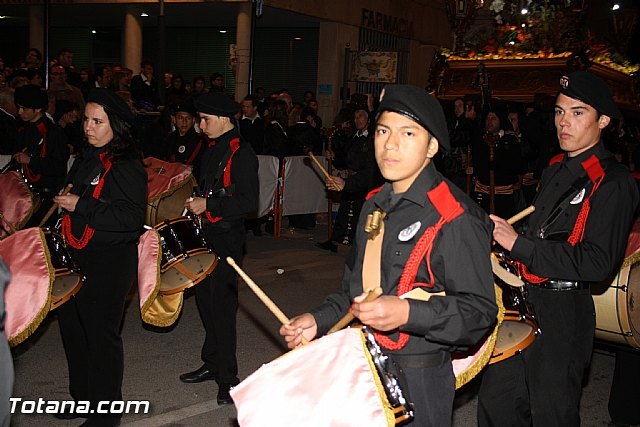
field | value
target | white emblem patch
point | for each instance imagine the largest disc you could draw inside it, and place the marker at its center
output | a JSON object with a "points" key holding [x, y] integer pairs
{"points": [[578, 197], [181, 149], [96, 180], [408, 233]]}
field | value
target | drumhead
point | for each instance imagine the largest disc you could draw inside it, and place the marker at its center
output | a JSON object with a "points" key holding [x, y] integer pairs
{"points": [[64, 287], [188, 272], [514, 335]]}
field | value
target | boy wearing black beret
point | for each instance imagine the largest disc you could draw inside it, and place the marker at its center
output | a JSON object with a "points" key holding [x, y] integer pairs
{"points": [[227, 192], [576, 236], [184, 144], [43, 148], [433, 238]]}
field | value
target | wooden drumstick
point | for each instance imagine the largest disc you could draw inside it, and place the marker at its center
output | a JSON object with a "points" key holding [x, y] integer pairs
{"points": [[323, 170], [517, 217], [12, 229], [372, 295], [55, 206], [262, 296]]}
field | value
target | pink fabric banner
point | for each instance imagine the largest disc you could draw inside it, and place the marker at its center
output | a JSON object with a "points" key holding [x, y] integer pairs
{"points": [[28, 296], [16, 202], [328, 382], [164, 177]]}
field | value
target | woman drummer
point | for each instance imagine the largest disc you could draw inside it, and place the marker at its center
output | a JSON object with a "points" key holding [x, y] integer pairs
{"points": [[104, 213]]}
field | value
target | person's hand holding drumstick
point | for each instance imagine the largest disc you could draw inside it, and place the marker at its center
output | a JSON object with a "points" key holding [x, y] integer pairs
{"points": [[197, 205]]}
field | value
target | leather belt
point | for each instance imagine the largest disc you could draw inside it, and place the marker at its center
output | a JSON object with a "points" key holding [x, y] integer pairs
{"points": [[563, 285]]}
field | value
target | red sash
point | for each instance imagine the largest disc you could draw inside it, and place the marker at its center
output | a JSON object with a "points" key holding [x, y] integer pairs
{"points": [[448, 208], [226, 179]]}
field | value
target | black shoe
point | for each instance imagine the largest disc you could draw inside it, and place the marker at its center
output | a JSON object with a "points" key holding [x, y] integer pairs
{"points": [[328, 246], [224, 398], [198, 376]]}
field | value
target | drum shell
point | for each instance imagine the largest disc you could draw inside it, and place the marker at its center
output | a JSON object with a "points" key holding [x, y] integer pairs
{"points": [[169, 204], [184, 249], [68, 279], [618, 308]]}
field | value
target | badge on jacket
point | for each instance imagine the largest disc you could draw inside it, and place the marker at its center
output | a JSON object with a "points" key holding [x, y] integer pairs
{"points": [[96, 180], [578, 197], [408, 233], [181, 149]]}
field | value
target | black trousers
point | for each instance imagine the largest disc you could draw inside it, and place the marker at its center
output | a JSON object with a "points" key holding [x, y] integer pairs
{"points": [[542, 386], [625, 388], [217, 298], [90, 325], [432, 391]]}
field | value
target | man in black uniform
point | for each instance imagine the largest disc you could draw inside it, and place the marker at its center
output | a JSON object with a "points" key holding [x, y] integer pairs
{"points": [[506, 164], [433, 237], [228, 183], [577, 235], [43, 148], [184, 144]]}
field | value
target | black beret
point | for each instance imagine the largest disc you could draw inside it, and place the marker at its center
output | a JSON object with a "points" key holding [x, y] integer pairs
{"points": [[592, 90], [112, 102], [417, 105], [216, 104], [31, 96], [185, 107]]}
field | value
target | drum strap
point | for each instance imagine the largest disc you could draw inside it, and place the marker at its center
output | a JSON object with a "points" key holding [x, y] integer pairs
{"points": [[87, 234], [596, 174], [225, 173], [448, 208]]}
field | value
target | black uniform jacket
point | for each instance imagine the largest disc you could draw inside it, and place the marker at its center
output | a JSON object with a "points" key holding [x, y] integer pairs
{"points": [[507, 159], [612, 208], [241, 197], [53, 165], [182, 148], [459, 261], [117, 216]]}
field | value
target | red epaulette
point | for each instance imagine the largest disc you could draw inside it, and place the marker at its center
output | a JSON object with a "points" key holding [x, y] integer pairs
{"points": [[635, 175], [556, 159], [373, 192]]}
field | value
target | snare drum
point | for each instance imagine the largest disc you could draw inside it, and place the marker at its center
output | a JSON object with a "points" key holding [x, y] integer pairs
{"points": [[339, 379], [169, 185], [618, 307], [68, 278], [186, 256], [519, 328]]}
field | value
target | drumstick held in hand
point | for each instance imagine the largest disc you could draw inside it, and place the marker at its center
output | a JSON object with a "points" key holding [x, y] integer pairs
{"points": [[55, 206], [324, 171], [262, 296], [517, 217], [372, 295]]}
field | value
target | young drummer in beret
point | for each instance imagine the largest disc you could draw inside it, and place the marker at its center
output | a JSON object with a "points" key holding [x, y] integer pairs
{"points": [[576, 236], [184, 144], [227, 192], [43, 148], [433, 238]]}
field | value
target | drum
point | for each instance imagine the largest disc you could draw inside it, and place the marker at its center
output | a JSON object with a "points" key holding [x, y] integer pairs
{"points": [[68, 279], [17, 202], [618, 309], [352, 387], [519, 328], [186, 256], [169, 185]]}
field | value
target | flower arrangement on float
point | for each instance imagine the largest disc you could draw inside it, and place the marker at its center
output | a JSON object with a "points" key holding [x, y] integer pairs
{"points": [[527, 29]]}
